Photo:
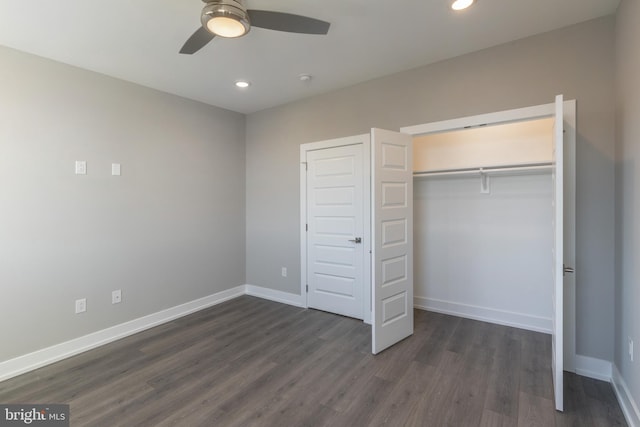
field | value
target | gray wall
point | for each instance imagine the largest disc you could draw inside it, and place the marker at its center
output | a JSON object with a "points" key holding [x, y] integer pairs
{"points": [[169, 230], [577, 61], [628, 200]]}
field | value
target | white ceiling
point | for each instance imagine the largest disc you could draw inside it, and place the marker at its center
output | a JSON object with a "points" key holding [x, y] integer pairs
{"points": [[138, 41]]}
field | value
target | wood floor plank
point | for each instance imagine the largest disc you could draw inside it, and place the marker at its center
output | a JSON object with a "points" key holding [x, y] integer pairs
{"points": [[295, 407], [536, 350], [404, 396], [192, 403], [602, 403], [442, 327], [494, 419], [433, 408], [471, 389], [534, 411], [394, 361], [315, 376], [361, 410], [99, 403], [504, 379], [347, 389], [576, 406], [251, 362], [78, 379], [463, 336]]}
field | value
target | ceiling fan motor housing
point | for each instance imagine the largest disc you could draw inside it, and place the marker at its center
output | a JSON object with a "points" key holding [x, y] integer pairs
{"points": [[224, 12]]}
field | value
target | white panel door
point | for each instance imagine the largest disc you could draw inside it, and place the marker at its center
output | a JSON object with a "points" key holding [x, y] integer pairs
{"points": [[557, 356], [392, 222], [569, 241], [335, 217]]}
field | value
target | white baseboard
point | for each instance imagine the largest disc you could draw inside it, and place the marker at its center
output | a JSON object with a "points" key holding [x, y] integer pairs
{"points": [[593, 368], [625, 399], [40, 358], [501, 317], [273, 295]]}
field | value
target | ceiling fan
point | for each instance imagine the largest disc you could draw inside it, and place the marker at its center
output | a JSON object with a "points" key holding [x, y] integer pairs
{"points": [[229, 18]]}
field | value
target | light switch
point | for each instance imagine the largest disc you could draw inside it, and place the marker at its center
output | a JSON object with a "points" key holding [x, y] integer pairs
{"points": [[81, 167], [115, 169]]}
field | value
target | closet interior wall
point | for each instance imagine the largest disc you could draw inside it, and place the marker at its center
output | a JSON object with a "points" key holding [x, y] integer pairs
{"points": [[483, 223]]}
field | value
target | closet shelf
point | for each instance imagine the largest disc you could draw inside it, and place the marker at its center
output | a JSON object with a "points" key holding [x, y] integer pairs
{"points": [[486, 170]]}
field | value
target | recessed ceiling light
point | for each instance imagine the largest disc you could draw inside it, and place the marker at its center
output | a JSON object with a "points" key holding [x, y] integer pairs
{"points": [[242, 84], [461, 4]]}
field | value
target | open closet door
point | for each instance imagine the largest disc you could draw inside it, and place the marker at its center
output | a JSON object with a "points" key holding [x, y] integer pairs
{"points": [[557, 356], [392, 246]]}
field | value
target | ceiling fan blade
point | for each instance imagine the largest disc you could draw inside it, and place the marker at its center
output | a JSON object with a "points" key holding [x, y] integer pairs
{"points": [[197, 41], [287, 22]]}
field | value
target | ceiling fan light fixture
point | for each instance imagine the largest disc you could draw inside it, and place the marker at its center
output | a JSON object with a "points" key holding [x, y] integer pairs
{"points": [[461, 4], [225, 18]]}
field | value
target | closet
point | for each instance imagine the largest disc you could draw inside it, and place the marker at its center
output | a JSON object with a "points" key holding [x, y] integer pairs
{"points": [[481, 213], [483, 223]]}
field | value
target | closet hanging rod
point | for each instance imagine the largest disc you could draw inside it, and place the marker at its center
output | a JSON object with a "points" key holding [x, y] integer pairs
{"points": [[488, 169]]}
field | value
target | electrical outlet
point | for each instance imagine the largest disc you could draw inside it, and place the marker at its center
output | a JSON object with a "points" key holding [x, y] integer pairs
{"points": [[81, 167], [81, 305], [116, 297], [630, 349], [284, 271]]}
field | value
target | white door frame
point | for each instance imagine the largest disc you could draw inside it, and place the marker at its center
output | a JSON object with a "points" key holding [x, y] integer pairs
{"points": [[365, 140], [530, 113]]}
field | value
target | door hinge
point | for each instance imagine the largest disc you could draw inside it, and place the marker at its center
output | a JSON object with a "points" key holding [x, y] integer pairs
{"points": [[306, 165], [306, 227], [566, 270], [307, 288]]}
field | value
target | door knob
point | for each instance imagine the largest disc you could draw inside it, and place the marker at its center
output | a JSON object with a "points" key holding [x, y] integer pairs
{"points": [[356, 240]]}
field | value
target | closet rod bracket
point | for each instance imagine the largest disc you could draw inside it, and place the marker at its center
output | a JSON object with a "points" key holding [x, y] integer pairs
{"points": [[484, 182]]}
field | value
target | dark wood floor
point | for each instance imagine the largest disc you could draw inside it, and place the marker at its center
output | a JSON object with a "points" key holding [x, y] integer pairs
{"points": [[250, 362]]}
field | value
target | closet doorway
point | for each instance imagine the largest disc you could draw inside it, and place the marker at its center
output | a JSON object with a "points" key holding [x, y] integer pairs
{"points": [[561, 234], [483, 223]]}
